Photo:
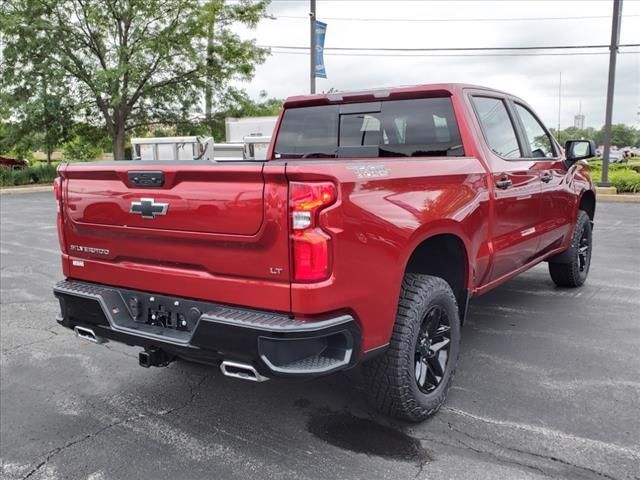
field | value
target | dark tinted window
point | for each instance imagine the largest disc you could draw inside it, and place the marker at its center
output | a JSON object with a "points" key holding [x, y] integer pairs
{"points": [[306, 131], [497, 127], [412, 128], [360, 129], [539, 141]]}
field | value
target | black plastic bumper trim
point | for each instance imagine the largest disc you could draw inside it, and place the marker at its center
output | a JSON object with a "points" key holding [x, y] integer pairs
{"points": [[276, 344]]}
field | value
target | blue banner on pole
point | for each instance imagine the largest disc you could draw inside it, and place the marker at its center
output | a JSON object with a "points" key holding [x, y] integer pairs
{"points": [[321, 30]]}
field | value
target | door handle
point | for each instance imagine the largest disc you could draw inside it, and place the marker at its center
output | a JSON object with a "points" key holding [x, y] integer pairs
{"points": [[504, 183], [546, 177], [146, 179]]}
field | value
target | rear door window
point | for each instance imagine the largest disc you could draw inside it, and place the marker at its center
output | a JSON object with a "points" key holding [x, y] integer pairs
{"points": [[497, 127], [397, 128]]}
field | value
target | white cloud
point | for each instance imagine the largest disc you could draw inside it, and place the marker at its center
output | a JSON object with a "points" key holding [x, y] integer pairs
{"points": [[534, 78]]}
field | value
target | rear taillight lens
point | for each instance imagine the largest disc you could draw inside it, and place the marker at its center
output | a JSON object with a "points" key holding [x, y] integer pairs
{"points": [[310, 244], [57, 190]]}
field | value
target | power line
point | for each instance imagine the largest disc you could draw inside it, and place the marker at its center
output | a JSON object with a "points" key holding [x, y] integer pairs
{"points": [[517, 19], [451, 49], [445, 55]]}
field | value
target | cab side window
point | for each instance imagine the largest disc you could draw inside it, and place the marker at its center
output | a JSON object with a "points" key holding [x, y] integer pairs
{"points": [[497, 127], [539, 141]]}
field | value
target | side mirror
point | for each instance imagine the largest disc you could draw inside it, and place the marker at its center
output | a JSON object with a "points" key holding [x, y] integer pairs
{"points": [[575, 150]]}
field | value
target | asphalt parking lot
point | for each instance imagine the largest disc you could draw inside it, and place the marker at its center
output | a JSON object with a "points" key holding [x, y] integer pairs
{"points": [[548, 385]]}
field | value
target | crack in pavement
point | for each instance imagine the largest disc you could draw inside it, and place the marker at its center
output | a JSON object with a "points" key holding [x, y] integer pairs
{"points": [[26, 327], [534, 454], [52, 453], [18, 347], [546, 432], [193, 392], [502, 460], [517, 451], [128, 355], [27, 302]]}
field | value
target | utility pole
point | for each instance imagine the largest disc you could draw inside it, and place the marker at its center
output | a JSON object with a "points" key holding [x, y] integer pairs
{"points": [[312, 48], [613, 51], [208, 93], [559, 102]]}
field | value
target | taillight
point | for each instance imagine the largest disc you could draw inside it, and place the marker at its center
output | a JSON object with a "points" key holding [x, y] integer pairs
{"points": [[311, 245], [57, 190]]}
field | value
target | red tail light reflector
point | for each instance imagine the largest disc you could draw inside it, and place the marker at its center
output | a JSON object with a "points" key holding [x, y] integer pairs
{"points": [[310, 244]]}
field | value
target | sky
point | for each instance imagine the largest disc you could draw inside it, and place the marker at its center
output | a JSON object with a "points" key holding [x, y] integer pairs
{"points": [[533, 78]]}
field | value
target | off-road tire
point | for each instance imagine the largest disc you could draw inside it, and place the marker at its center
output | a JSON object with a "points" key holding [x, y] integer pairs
{"points": [[390, 378], [571, 274]]}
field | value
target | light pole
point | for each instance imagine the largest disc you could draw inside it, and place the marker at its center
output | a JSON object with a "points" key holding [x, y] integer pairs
{"points": [[559, 102], [613, 50]]}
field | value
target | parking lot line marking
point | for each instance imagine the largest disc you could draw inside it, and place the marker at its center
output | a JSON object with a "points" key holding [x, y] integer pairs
{"points": [[550, 433]]}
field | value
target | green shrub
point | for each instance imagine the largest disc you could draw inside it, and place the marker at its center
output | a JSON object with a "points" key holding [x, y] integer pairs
{"points": [[79, 150], [43, 163], [35, 174], [626, 181], [597, 166], [626, 178]]}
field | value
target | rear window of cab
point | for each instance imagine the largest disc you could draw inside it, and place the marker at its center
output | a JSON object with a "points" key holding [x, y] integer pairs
{"points": [[423, 127]]}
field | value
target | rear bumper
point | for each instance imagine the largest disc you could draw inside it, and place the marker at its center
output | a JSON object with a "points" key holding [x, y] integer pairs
{"points": [[274, 344]]}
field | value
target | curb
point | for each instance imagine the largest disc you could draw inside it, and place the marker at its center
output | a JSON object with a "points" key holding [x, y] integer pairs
{"points": [[618, 198], [26, 189], [606, 191]]}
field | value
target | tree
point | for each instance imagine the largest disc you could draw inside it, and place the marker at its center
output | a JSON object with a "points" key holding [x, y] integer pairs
{"points": [[623, 136], [222, 47], [35, 97], [138, 62], [238, 104], [79, 150], [13, 143]]}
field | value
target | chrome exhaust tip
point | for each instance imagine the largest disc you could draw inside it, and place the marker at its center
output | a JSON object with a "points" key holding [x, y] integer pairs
{"points": [[242, 371], [87, 334]]}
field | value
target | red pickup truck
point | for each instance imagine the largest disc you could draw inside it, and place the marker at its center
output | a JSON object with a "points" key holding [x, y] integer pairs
{"points": [[375, 218]]}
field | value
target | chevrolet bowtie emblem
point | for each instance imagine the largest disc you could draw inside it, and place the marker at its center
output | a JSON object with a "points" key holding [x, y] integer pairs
{"points": [[148, 208]]}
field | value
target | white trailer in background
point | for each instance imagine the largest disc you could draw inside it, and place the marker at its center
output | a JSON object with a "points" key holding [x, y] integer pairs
{"points": [[184, 148], [246, 139], [237, 129], [253, 132], [256, 147]]}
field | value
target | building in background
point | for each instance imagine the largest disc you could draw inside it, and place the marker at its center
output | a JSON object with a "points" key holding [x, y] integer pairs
{"points": [[578, 119]]}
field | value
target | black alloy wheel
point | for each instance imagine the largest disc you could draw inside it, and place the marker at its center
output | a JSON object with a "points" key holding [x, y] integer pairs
{"points": [[573, 271], [584, 251], [432, 349]]}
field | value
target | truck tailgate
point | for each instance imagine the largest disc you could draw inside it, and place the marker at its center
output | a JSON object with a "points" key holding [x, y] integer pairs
{"points": [[205, 230]]}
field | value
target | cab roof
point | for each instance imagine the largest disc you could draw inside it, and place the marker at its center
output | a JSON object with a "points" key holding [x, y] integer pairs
{"points": [[388, 93]]}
